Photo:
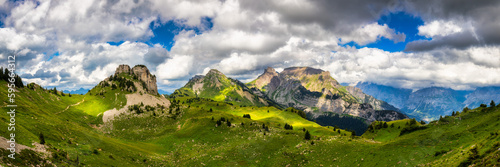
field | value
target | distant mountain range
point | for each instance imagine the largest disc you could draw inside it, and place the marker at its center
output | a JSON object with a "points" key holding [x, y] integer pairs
{"points": [[430, 103], [78, 91]]}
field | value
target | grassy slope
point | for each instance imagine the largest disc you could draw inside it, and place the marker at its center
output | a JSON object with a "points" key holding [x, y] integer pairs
{"points": [[187, 136]]}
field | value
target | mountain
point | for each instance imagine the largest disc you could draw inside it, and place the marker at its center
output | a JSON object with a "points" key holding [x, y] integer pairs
{"points": [[141, 73], [129, 89], [394, 96], [430, 103], [482, 95], [164, 92], [318, 94], [217, 86], [365, 98], [78, 91]]}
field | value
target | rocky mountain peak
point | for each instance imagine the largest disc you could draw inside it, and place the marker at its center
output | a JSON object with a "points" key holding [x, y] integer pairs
{"points": [[301, 71], [270, 71], [122, 69], [214, 72], [142, 73]]}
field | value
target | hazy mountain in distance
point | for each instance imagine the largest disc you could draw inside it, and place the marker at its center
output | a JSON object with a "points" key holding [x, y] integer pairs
{"points": [[430, 103], [78, 91]]}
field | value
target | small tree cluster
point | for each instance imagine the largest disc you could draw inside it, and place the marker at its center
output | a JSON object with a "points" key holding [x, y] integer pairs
{"points": [[221, 120], [299, 112], [265, 127], [288, 127], [7, 76], [247, 116]]}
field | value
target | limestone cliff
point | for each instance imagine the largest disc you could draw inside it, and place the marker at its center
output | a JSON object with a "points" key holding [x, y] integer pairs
{"points": [[142, 74]]}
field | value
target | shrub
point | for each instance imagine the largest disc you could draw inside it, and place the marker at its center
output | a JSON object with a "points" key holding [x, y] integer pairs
{"points": [[288, 127], [410, 129], [247, 116]]}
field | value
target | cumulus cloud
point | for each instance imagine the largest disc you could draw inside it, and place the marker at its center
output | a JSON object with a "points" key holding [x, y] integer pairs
{"points": [[372, 32], [439, 28], [60, 43], [177, 67], [456, 24]]}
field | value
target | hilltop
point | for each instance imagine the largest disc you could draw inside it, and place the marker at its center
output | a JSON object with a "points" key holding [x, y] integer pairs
{"points": [[217, 86]]}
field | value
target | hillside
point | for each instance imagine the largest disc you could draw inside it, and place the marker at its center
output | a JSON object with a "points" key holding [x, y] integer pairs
{"points": [[215, 85], [317, 93], [194, 131]]}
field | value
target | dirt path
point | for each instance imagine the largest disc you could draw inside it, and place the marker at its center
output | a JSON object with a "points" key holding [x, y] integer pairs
{"points": [[71, 105]]}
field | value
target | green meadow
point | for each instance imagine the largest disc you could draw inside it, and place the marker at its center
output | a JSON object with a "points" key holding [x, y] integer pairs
{"points": [[204, 132]]}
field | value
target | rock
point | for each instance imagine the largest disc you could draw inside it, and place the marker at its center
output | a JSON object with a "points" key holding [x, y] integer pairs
{"points": [[122, 69], [142, 73]]}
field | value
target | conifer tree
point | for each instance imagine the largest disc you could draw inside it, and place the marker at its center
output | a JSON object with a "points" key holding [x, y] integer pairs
{"points": [[307, 135]]}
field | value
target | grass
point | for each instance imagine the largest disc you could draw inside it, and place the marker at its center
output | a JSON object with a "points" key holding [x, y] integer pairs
{"points": [[186, 135]]}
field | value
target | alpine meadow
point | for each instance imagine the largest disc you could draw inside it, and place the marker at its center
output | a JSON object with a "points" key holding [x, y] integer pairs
{"points": [[249, 83]]}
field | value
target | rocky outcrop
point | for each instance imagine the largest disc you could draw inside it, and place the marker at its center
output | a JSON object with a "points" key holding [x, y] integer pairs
{"points": [[317, 93], [142, 74], [364, 98]]}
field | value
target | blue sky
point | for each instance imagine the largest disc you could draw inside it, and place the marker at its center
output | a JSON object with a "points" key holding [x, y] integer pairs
{"points": [[401, 22]]}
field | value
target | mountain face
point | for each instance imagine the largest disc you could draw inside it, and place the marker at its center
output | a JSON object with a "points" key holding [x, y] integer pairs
{"points": [[482, 95], [142, 73], [364, 98], [79, 91], [429, 103], [215, 85], [394, 96], [129, 89], [317, 93]]}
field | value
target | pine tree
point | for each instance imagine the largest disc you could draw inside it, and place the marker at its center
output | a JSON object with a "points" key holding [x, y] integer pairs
{"points": [[453, 113], [307, 135], [42, 139], [492, 104]]}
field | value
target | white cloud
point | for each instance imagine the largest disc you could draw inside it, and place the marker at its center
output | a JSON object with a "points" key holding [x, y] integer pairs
{"points": [[438, 28], [12, 40], [372, 32], [237, 63], [178, 66]]}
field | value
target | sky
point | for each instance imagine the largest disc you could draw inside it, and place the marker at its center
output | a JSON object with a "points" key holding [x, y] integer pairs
{"points": [[401, 43]]}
